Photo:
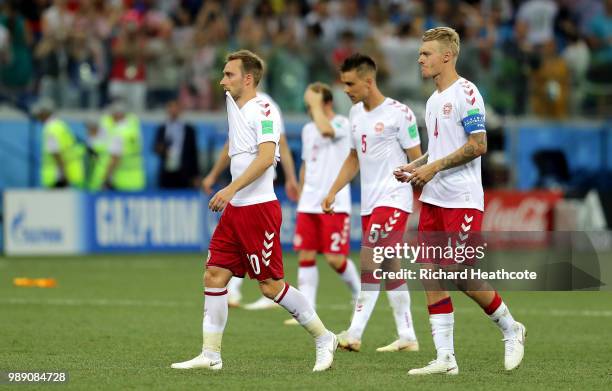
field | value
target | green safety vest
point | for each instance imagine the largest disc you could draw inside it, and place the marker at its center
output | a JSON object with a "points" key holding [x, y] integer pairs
{"points": [[99, 164], [70, 151], [129, 174]]}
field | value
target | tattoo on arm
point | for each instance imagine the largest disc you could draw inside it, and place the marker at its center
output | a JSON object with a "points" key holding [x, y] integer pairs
{"points": [[476, 146]]}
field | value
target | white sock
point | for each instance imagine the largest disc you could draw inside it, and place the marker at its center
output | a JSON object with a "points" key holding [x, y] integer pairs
{"points": [[366, 300], [233, 287], [503, 319], [399, 299], [297, 305], [351, 277], [308, 281], [215, 318], [442, 332]]}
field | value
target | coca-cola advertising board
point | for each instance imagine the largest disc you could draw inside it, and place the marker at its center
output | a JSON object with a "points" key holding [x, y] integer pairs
{"points": [[515, 211]]}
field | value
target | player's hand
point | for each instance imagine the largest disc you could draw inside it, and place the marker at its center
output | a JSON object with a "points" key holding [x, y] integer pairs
{"points": [[401, 172], [207, 184], [312, 98], [328, 203], [420, 176], [221, 199], [292, 189]]}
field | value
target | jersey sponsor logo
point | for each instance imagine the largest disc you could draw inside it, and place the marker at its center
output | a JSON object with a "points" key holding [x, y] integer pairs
{"points": [[473, 122], [446, 109], [267, 126], [412, 131], [473, 111], [379, 127]]}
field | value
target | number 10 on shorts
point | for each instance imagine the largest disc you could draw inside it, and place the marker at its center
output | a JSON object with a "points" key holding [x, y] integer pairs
{"points": [[254, 261]]}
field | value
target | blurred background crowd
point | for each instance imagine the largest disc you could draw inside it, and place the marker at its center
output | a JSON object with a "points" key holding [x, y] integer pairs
{"points": [[544, 58]]}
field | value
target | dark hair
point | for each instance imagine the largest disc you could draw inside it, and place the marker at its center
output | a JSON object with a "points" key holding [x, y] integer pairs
{"points": [[359, 62]]}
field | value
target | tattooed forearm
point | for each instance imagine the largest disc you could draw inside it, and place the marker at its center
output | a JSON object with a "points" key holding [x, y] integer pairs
{"points": [[421, 161], [475, 146]]}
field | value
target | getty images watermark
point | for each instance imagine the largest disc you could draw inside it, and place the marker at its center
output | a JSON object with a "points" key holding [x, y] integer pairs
{"points": [[526, 261], [457, 254]]}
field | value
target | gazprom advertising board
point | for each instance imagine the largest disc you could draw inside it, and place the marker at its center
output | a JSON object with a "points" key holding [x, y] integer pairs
{"points": [[168, 221]]}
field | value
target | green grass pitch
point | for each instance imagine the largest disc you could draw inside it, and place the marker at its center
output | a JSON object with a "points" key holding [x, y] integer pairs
{"points": [[117, 322]]}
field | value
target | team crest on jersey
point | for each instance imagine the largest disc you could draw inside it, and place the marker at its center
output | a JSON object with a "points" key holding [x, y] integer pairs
{"points": [[379, 127], [446, 110]]}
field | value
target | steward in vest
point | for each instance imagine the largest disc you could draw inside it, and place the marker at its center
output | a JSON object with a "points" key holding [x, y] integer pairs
{"points": [[125, 171], [62, 156]]}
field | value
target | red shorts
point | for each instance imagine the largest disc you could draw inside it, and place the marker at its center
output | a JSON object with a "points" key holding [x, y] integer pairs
{"points": [[247, 239], [440, 226], [323, 233], [384, 227]]}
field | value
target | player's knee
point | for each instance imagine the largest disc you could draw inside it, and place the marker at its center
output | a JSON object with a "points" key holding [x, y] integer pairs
{"points": [[335, 261], [213, 278], [271, 288]]}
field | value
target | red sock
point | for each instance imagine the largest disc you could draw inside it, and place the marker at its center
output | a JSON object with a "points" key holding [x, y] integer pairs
{"points": [[307, 263], [494, 305], [342, 267], [444, 306], [368, 278]]}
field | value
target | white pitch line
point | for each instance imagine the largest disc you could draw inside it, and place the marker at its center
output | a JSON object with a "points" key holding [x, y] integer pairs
{"points": [[96, 302], [334, 307]]}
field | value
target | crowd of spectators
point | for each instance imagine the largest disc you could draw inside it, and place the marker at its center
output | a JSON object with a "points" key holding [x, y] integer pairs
{"points": [[537, 57]]}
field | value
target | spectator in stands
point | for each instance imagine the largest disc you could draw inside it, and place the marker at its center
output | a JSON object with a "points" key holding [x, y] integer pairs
{"points": [[176, 146], [287, 72], [577, 56], [405, 81], [125, 171], [16, 68], [351, 19], [316, 52], [550, 84], [128, 71], [441, 14], [62, 155], [600, 40], [86, 69], [538, 16]]}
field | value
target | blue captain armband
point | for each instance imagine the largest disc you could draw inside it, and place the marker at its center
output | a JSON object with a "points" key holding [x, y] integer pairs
{"points": [[473, 123]]}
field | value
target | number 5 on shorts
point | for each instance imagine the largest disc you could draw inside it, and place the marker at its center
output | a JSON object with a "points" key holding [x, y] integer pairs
{"points": [[374, 232]]}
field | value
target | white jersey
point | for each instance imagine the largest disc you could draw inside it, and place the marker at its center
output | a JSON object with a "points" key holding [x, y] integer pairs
{"points": [[263, 95], [255, 123], [380, 136], [324, 157], [451, 116]]}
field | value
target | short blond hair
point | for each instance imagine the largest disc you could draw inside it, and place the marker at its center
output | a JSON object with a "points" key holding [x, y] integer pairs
{"points": [[447, 37], [250, 63]]}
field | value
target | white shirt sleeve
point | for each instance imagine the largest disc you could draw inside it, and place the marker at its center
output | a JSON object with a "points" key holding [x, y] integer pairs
{"points": [[341, 128], [52, 145], [115, 146], [305, 146], [350, 126], [408, 133], [471, 109], [267, 128]]}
